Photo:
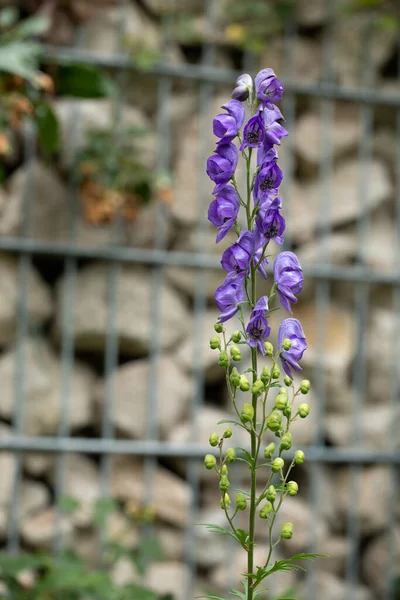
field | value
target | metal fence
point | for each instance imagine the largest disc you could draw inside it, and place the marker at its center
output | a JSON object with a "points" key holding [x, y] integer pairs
{"points": [[206, 76]]}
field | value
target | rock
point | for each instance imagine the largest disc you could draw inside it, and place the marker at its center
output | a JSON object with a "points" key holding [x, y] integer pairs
{"points": [[311, 14], [37, 464], [339, 248], [38, 530], [372, 478], [38, 302], [376, 560], [337, 550], [133, 320], [82, 483], [376, 424], [161, 577], [379, 342], [170, 495], [345, 205], [171, 542], [132, 380], [190, 280], [345, 134], [33, 497], [307, 57], [211, 548], [329, 587], [42, 400]]}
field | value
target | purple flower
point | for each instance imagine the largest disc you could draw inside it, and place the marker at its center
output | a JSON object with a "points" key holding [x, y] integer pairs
{"points": [[270, 89], [228, 295], [292, 330], [237, 257], [244, 84], [226, 126], [253, 133], [224, 210], [258, 329], [267, 181], [269, 221], [222, 164], [288, 277], [273, 130]]}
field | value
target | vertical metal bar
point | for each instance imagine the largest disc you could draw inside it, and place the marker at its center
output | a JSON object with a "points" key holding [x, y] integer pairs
{"points": [[22, 324], [361, 303]]}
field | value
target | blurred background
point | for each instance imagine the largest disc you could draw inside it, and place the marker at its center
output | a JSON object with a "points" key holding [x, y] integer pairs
{"points": [[108, 268]]}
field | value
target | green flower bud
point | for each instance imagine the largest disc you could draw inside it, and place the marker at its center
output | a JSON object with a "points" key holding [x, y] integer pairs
{"points": [[283, 390], [269, 450], [275, 373], [286, 441], [236, 337], [244, 383], [286, 344], [277, 464], [218, 327], [287, 411], [269, 349], [224, 470], [305, 386], [215, 342], [214, 439], [292, 488], [209, 461], [235, 353], [271, 493], [287, 381], [274, 421], [299, 457], [224, 483], [223, 360], [247, 413], [266, 510], [265, 374], [241, 503], [281, 401], [228, 433], [287, 531], [230, 455], [257, 387], [225, 501], [235, 377], [304, 410]]}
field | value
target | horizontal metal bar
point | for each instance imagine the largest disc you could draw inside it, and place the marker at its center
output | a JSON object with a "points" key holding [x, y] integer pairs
{"points": [[156, 448], [217, 75], [356, 273]]}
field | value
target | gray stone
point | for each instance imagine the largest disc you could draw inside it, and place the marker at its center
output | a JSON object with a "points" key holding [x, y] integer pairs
{"points": [[337, 549], [311, 13], [376, 559], [330, 587], [38, 302], [132, 383], [37, 464], [170, 495], [42, 398], [167, 577], [171, 542], [307, 59], [39, 529], [380, 343], [133, 318]]}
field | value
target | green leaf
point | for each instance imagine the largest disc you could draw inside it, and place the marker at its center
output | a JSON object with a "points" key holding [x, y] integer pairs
{"points": [[83, 81], [68, 504], [32, 26], [208, 597], [102, 509], [47, 127], [20, 58], [8, 17]]}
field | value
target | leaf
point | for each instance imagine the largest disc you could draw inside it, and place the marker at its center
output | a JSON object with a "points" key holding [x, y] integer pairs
{"points": [[68, 504], [102, 509], [47, 127], [210, 597], [32, 26], [83, 81], [20, 58], [8, 17], [241, 536], [229, 421]]}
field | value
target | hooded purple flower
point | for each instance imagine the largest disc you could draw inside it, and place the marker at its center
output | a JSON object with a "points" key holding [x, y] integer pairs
{"points": [[253, 133], [226, 126], [244, 84], [267, 181], [222, 164], [292, 329], [228, 295], [288, 277], [237, 257], [269, 221], [273, 130], [258, 329], [268, 87], [224, 210]]}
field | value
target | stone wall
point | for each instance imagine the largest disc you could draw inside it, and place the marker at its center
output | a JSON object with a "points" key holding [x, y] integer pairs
{"points": [[361, 188]]}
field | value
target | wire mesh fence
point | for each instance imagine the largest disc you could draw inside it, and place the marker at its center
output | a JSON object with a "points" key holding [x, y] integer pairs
{"points": [[357, 282]]}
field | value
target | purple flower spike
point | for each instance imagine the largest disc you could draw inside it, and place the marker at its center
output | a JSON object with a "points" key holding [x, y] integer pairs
{"points": [[267, 181], [292, 330], [222, 165], [269, 221], [228, 295], [288, 277], [270, 90], [237, 258], [244, 85], [224, 210], [226, 126], [253, 133], [258, 329]]}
